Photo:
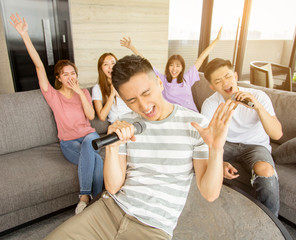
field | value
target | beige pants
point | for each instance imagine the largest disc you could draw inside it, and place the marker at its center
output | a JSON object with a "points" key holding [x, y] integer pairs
{"points": [[105, 220]]}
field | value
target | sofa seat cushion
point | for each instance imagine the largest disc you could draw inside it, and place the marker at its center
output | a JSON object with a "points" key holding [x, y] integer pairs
{"points": [[34, 176]]}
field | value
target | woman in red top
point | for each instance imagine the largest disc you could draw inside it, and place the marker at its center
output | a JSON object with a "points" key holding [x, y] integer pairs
{"points": [[72, 108]]}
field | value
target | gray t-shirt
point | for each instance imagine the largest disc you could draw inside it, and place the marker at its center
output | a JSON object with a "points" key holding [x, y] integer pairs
{"points": [[160, 167]]}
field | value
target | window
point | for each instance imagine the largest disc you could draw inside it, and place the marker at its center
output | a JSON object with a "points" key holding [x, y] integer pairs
{"points": [[184, 29]]}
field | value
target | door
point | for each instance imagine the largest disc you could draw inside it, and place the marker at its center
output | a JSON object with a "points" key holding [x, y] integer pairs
{"points": [[50, 32]]}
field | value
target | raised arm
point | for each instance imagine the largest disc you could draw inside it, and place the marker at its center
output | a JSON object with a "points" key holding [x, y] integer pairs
{"points": [[209, 172], [103, 110], [21, 27], [127, 42], [207, 51]]}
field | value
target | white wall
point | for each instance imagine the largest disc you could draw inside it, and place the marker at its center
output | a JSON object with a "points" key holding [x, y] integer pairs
{"points": [[98, 26]]}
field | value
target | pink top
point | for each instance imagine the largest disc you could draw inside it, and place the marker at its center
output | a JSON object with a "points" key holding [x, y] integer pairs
{"points": [[69, 114], [180, 93]]}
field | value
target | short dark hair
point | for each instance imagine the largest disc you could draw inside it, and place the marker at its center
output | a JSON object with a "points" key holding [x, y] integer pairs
{"points": [[214, 65], [127, 67]]}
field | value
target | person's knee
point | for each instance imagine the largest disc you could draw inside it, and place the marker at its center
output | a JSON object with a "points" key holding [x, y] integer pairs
{"points": [[89, 138], [263, 169]]}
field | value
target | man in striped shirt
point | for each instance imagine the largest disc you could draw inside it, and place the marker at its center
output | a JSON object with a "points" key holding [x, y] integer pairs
{"points": [[147, 176]]}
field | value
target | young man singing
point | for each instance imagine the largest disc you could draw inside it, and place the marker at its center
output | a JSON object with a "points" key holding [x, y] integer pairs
{"points": [[252, 124]]}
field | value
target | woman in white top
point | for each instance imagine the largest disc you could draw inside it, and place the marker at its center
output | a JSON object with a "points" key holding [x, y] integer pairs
{"points": [[106, 99]]}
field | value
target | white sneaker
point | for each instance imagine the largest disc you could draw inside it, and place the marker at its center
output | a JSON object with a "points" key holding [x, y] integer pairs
{"points": [[80, 207]]}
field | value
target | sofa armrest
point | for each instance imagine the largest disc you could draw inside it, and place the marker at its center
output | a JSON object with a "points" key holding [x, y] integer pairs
{"points": [[285, 153]]}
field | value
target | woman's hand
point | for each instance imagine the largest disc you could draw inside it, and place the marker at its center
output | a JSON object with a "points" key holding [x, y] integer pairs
{"points": [[126, 42], [74, 85], [20, 25], [113, 93], [219, 34]]}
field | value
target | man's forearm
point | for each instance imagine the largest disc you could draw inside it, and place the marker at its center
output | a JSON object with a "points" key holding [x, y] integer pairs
{"points": [[114, 170], [271, 124], [212, 179]]}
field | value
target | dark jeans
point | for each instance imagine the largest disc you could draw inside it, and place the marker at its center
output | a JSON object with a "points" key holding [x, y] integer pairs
{"points": [[267, 188]]}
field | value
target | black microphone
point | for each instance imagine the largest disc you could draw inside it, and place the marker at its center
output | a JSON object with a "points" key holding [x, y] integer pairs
{"points": [[113, 137], [245, 101]]}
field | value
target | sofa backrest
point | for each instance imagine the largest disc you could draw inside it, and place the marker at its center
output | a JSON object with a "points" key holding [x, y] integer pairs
{"points": [[26, 121], [201, 91], [284, 104]]}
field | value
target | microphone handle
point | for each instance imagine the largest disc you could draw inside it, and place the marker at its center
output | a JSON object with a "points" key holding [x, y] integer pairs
{"points": [[247, 102], [104, 141]]}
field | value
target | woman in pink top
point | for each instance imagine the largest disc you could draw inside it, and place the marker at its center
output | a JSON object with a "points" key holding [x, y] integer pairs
{"points": [[72, 108], [177, 84]]}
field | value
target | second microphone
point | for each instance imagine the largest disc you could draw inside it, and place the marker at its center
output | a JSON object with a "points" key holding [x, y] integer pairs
{"points": [[245, 101]]}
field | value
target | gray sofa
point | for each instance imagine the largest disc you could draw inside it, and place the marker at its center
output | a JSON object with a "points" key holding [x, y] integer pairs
{"points": [[35, 178], [284, 150]]}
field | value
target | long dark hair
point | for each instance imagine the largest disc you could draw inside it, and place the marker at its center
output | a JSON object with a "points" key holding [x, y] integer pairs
{"points": [[105, 86], [172, 58]]}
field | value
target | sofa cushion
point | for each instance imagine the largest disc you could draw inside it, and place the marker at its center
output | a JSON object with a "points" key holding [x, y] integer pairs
{"points": [[35, 176], [286, 152], [100, 126], [26, 121]]}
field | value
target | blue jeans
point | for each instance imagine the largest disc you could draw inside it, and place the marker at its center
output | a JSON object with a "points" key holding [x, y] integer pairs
{"points": [[267, 188], [90, 164]]}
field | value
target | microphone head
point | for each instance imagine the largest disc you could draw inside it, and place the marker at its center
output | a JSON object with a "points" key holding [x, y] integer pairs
{"points": [[251, 104], [139, 127]]}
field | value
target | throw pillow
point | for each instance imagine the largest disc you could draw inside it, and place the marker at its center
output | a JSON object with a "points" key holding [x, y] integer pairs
{"points": [[286, 152]]}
